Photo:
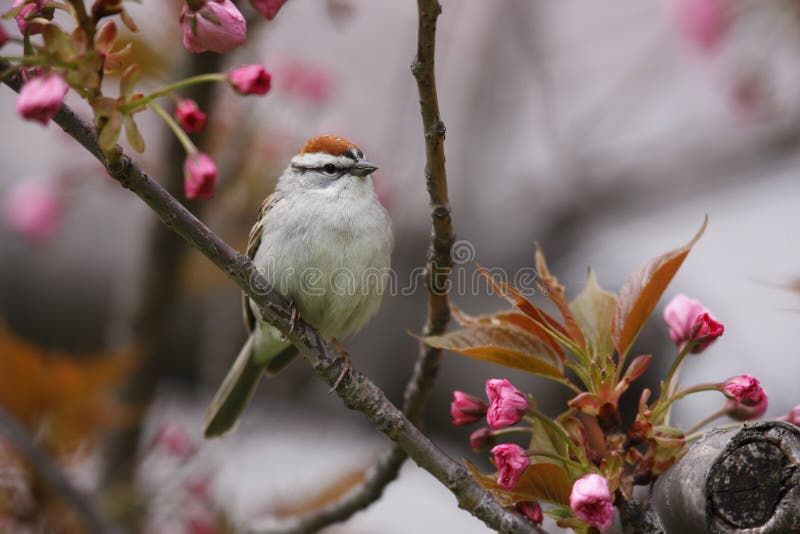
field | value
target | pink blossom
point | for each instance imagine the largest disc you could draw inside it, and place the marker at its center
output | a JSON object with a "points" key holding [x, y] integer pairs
{"points": [[511, 462], [33, 208], [35, 9], [687, 320], [217, 26], [480, 438], [3, 36], [191, 119], [250, 80], [175, 440], [41, 98], [268, 8], [306, 82], [748, 400], [591, 502], [199, 176], [532, 511], [466, 409], [507, 404], [703, 23]]}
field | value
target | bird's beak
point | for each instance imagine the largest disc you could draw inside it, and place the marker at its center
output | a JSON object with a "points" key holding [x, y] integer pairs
{"points": [[364, 168]]}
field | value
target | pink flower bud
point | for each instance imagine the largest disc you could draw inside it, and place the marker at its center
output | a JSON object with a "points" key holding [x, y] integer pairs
{"points": [[748, 400], [687, 319], [217, 26], [268, 8], [466, 409], [31, 10], [41, 98], [33, 209], [3, 36], [591, 502], [703, 23], [199, 176], [250, 80], [507, 404], [481, 438], [189, 116], [511, 462], [532, 511]]}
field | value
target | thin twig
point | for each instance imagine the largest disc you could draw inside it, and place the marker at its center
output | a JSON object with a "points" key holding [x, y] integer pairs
{"points": [[53, 476], [437, 272], [356, 390]]}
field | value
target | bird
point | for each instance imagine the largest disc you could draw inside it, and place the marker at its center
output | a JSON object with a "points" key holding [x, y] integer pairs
{"points": [[324, 241]]}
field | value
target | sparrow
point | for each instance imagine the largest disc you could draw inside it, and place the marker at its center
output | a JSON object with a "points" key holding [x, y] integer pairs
{"points": [[323, 240]]}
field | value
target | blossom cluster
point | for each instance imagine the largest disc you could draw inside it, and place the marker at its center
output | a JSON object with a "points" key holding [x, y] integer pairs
{"points": [[583, 461], [68, 59]]}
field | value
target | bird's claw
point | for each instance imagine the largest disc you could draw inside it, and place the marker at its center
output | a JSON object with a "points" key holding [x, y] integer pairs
{"points": [[346, 365], [293, 315]]}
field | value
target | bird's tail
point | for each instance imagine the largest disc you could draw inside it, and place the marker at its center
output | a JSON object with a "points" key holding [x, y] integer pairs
{"points": [[235, 392], [264, 351]]}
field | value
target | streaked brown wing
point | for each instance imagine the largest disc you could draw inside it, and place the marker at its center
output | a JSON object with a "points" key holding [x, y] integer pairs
{"points": [[253, 242]]}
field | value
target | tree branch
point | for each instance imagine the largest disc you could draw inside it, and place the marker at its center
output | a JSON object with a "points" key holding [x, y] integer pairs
{"points": [[437, 272], [53, 476], [357, 391]]}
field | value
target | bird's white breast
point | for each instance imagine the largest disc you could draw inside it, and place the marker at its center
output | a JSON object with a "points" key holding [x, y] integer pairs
{"points": [[329, 249]]}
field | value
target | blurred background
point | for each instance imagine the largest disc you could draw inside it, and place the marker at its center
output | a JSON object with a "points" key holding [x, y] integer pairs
{"points": [[603, 131]]}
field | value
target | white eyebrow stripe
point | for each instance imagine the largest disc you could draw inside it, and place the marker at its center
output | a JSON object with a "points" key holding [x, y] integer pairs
{"points": [[318, 159]]}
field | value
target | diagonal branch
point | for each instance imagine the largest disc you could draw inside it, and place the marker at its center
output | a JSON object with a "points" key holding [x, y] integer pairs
{"points": [[356, 391], [437, 273], [53, 476]]}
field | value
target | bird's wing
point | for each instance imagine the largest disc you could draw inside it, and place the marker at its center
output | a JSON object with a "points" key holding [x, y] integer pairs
{"points": [[253, 242]]}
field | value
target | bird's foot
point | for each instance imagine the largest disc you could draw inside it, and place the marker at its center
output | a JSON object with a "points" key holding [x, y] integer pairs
{"points": [[293, 315], [345, 359]]}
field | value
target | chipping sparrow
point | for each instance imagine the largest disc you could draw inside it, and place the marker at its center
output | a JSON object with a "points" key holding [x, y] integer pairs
{"points": [[323, 240]]}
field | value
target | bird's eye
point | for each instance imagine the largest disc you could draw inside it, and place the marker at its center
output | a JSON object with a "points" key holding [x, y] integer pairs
{"points": [[329, 168]]}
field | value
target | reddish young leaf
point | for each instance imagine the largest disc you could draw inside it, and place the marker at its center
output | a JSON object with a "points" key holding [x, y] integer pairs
{"points": [[509, 318], [540, 482], [503, 345], [640, 293], [555, 292], [512, 295]]}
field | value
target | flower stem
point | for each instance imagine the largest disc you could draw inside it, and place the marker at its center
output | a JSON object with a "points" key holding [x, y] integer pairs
{"points": [[511, 430], [184, 140], [675, 365], [552, 455], [161, 91], [714, 416], [662, 406]]}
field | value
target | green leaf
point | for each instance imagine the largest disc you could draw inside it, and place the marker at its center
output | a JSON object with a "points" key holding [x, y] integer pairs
{"points": [[133, 135], [593, 310], [127, 82], [641, 292], [110, 132], [503, 345]]}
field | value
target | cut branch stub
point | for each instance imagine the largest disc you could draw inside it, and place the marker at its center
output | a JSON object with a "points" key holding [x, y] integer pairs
{"points": [[734, 481]]}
